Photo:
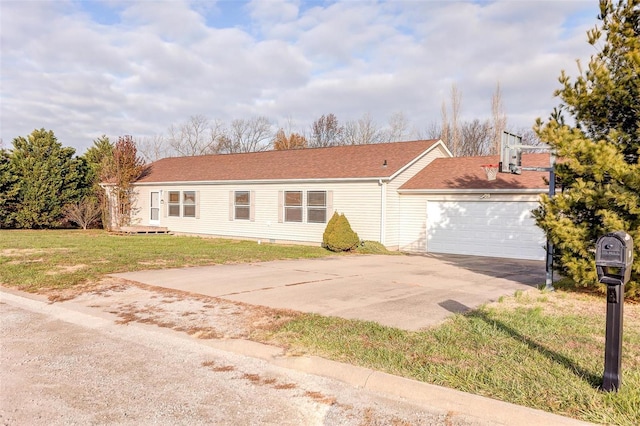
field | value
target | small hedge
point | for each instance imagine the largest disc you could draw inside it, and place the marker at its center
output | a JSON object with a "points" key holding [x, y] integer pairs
{"points": [[338, 235]]}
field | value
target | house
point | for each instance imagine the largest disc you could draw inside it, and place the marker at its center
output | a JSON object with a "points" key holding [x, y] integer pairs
{"points": [[401, 194]]}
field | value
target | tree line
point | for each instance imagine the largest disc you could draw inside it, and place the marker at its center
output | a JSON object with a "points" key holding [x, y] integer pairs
{"points": [[200, 135], [45, 185]]}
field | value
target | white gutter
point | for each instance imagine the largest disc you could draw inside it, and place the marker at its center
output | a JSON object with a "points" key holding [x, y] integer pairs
{"points": [[475, 191], [265, 181]]}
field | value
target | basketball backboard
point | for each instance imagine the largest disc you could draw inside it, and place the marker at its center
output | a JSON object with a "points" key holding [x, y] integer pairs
{"points": [[511, 153]]}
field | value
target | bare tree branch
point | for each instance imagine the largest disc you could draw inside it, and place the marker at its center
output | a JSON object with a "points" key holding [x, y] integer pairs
{"points": [[247, 136], [326, 131]]}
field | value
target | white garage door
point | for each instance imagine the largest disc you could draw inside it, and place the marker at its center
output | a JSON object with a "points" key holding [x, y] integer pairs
{"points": [[491, 228]]}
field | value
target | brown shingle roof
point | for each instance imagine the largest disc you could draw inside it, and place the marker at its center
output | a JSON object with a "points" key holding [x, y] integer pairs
{"points": [[466, 173], [353, 161]]}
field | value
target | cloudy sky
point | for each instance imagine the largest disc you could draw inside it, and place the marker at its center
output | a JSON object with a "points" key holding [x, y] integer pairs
{"points": [[115, 67]]}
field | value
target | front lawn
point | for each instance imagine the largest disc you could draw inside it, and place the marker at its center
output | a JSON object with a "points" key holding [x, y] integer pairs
{"points": [[37, 260]]}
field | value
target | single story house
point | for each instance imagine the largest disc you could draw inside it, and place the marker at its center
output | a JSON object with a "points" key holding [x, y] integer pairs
{"points": [[411, 196]]}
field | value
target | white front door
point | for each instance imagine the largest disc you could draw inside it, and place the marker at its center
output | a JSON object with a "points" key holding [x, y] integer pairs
{"points": [[154, 218]]}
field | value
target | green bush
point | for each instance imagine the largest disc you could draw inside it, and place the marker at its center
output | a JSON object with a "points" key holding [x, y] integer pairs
{"points": [[338, 235], [374, 247]]}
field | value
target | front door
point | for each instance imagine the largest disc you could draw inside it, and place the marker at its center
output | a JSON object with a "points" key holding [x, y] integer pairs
{"points": [[154, 219]]}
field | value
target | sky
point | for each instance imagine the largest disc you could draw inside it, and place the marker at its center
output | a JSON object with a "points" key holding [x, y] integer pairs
{"points": [[116, 67]]}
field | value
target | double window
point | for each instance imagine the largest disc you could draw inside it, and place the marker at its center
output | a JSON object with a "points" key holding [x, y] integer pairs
{"points": [[182, 204], [314, 203]]}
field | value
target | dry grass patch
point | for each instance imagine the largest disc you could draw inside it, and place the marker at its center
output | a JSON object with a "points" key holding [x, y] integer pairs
{"points": [[69, 269]]}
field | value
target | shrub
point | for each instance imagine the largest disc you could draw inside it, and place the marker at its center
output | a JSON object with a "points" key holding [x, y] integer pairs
{"points": [[338, 235], [374, 247]]}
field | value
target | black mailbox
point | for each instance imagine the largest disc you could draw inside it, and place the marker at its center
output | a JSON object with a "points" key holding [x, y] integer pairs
{"points": [[614, 257]]}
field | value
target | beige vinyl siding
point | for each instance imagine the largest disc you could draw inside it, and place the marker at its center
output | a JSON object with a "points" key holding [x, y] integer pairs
{"points": [[141, 214], [413, 232], [396, 218], [359, 201]]}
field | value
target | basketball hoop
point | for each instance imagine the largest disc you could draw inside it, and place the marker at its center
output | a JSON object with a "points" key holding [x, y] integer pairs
{"points": [[491, 170]]}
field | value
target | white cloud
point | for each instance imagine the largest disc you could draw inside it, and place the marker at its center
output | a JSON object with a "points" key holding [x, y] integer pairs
{"points": [[87, 69]]}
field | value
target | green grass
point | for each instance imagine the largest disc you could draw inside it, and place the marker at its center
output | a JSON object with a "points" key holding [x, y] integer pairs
{"points": [[537, 349], [528, 350], [34, 260]]}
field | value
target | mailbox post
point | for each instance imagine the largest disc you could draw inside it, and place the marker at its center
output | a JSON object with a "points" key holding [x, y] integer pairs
{"points": [[614, 257]]}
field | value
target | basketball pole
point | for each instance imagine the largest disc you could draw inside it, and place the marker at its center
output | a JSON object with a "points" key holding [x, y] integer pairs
{"points": [[548, 285], [510, 140]]}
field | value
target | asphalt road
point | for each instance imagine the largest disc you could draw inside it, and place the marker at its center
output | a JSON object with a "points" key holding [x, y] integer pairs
{"points": [[60, 366]]}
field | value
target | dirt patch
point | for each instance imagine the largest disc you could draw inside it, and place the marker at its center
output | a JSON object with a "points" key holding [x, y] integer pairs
{"points": [[69, 269], [159, 262], [22, 262], [203, 317], [28, 252]]}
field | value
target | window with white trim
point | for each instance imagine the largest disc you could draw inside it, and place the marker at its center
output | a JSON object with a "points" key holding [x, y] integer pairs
{"points": [[174, 203], [293, 206], [182, 204], [188, 203], [242, 205], [317, 206]]}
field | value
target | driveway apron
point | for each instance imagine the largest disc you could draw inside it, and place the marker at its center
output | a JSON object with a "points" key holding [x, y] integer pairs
{"points": [[406, 291]]}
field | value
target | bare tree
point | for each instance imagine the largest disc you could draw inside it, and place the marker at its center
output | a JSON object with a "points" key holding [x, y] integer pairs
{"points": [[84, 213], [246, 136], [433, 130], [456, 102], [398, 128], [326, 131], [154, 148], [445, 127], [477, 138], [361, 132], [197, 136], [499, 119]]}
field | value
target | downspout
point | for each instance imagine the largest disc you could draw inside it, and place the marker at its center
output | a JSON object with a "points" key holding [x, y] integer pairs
{"points": [[383, 210]]}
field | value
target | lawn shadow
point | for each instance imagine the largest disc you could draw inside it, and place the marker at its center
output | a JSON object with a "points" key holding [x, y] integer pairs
{"points": [[594, 380]]}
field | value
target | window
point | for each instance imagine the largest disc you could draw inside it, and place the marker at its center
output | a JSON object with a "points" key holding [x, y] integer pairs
{"points": [[182, 204], [189, 203], [242, 205], [174, 203], [316, 206], [293, 206]]}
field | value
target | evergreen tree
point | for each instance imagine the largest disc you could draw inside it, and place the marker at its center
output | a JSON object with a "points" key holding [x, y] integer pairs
{"points": [[48, 177], [8, 191], [338, 234], [599, 170]]}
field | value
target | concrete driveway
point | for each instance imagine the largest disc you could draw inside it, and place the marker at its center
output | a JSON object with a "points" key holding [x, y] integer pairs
{"points": [[408, 292]]}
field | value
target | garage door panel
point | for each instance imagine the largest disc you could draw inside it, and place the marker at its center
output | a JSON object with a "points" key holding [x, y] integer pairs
{"points": [[500, 229]]}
